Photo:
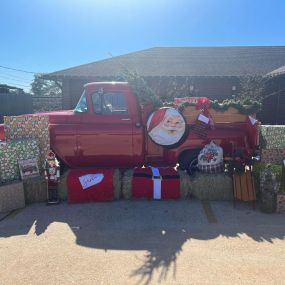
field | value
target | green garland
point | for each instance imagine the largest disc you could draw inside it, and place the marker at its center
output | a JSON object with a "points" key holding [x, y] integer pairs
{"points": [[245, 107]]}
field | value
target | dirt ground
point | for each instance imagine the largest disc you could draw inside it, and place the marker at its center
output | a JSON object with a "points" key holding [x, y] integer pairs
{"points": [[142, 242]]}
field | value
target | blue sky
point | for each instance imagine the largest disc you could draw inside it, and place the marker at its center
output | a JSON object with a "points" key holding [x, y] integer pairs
{"points": [[45, 36]]}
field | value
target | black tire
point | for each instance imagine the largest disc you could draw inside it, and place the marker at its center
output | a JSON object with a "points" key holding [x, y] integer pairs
{"points": [[187, 158]]}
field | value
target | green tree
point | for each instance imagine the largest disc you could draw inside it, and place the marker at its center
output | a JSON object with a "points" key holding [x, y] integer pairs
{"points": [[252, 88], [140, 87], [45, 88]]}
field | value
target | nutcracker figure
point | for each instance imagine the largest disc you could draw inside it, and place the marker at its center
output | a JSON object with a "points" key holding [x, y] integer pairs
{"points": [[52, 176]]}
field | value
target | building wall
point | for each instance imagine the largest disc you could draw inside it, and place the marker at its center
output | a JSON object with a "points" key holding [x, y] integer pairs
{"points": [[273, 110]]}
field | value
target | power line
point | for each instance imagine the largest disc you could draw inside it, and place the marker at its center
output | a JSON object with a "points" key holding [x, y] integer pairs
{"points": [[20, 70], [11, 78], [7, 73], [18, 84]]}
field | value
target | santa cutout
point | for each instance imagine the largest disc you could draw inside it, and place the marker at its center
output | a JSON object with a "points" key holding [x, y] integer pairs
{"points": [[166, 126]]}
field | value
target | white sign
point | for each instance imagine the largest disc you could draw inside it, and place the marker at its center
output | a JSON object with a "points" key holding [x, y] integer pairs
{"points": [[191, 100], [28, 168], [252, 120], [89, 180], [203, 119]]}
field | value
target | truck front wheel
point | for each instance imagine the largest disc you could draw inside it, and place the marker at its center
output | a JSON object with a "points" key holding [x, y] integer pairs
{"points": [[188, 158]]}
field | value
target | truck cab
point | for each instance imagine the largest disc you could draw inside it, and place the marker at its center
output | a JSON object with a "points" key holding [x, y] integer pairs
{"points": [[106, 128]]}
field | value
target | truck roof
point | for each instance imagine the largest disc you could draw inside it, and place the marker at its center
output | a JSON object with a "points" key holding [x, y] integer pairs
{"points": [[105, 83]]}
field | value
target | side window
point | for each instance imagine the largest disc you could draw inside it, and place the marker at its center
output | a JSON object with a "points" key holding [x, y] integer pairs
{"points": [[81, 106], [96, 101], [114, 103]]}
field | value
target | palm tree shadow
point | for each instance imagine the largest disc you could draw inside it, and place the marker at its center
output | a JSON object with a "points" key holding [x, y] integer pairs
{"points": [[158, 228], [160, 259]]}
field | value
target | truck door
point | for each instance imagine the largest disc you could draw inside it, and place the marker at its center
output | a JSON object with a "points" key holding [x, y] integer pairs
{"points": [[105, 132]]}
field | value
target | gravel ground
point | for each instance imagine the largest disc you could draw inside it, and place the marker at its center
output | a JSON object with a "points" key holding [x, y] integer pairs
{"points": [[142, 242]]}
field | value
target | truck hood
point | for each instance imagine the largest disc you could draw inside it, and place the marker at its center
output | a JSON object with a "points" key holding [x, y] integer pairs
{"points": [[56, 117]]}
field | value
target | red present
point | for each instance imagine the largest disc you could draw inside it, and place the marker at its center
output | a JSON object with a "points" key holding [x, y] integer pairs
{"points": [[156, 183], [90, 185]]}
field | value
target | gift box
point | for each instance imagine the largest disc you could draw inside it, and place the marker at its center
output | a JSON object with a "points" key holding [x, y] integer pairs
{"points": [[90, 185], [272, 137], [273, 156], [11, 152], [29, 127], [155, 183]]}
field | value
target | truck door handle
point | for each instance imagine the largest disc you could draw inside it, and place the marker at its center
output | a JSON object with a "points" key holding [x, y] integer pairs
{"points": [[127, 119]]}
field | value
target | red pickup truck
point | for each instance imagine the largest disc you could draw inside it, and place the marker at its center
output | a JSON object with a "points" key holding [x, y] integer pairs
{"points": [[108, 128]]}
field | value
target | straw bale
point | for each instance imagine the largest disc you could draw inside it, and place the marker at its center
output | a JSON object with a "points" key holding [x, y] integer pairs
{"points": [[35, 190], [212, 186], [127, 184], [185, 184], [62, 186], [117, 184]]}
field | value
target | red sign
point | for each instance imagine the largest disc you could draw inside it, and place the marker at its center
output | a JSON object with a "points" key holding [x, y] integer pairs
{"points": [[192, 100]]}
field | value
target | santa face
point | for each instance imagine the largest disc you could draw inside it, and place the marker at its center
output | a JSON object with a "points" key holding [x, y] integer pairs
{"points": [[169, 130], [172, 124]]}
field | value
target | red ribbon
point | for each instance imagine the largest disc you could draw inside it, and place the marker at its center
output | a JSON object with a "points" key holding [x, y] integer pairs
{"points": [[204, 104]]}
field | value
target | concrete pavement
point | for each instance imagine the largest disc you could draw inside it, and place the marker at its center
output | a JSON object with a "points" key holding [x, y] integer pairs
{"points": [[142, 242]]}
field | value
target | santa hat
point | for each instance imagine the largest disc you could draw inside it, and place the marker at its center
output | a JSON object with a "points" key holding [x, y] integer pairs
{"points": [[51, 155], [157, 118]]}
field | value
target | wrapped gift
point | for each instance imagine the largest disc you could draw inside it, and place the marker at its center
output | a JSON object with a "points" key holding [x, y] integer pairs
{"points": [[156, 183], [273, 156], [90, 185], [11, 152], [272, 137], [29, 127], [272, 140]]}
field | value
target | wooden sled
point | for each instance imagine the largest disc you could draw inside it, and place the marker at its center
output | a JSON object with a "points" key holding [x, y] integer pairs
{"points": [[244, 189]]}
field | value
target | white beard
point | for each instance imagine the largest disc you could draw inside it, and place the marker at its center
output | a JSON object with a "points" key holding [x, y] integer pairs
{"points": [[164, 137]]}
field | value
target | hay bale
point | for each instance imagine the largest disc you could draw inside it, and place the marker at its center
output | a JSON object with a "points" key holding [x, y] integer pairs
{"points": [[117, 184], [11, 197], [62, 186], [212, 186], [127, 184], [185, 184], [35, 190]]}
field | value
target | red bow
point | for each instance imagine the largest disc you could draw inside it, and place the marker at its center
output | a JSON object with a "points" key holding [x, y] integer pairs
{"points": [[203, 103]]}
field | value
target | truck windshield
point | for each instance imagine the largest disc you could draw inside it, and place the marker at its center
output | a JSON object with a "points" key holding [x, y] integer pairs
{"points": [[81, 106]]}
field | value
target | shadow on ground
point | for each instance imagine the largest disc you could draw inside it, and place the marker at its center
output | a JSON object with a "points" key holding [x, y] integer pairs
{"points": [[159, 228]]}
